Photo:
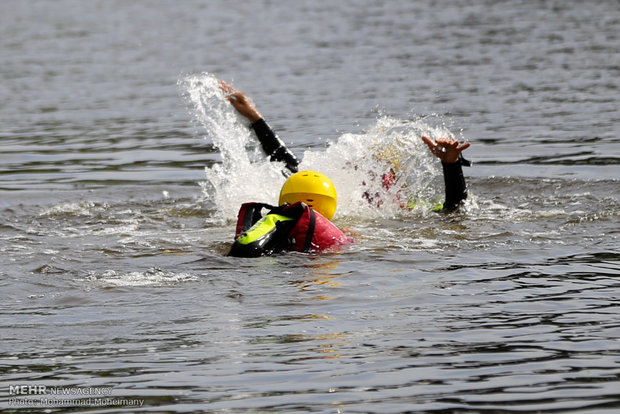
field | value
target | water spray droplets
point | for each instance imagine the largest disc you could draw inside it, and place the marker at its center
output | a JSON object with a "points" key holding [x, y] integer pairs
{"points": [[383, 171]]}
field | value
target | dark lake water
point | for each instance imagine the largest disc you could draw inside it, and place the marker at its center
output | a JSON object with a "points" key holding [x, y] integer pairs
{"points": [[122, 169]]}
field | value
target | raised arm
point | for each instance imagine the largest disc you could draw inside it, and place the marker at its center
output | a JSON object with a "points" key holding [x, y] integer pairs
{"points": [[449, 152], [270, 142]]}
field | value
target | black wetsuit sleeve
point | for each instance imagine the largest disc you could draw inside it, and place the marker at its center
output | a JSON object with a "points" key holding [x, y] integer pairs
{"points": [[273, 145], [456, 188]]}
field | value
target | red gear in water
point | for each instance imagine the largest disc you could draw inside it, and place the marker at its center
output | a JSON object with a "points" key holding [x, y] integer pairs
{"points": [[294, 227]]}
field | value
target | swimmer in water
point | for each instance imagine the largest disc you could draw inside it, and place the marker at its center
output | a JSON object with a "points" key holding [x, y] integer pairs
{"points": [[307, 193], [448, 150]]}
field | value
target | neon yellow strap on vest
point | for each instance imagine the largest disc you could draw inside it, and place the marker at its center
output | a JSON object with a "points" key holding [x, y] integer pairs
{"points": [[433, 207], [261, 228]]}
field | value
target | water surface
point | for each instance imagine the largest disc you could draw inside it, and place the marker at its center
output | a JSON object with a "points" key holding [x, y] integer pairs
{"points": [[113, 234]]}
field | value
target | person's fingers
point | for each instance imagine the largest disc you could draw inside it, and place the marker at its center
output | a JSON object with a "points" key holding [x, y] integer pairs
{"points": [[464, 146], [228, 89], [224, 86], [446, 142], [429, 142]]}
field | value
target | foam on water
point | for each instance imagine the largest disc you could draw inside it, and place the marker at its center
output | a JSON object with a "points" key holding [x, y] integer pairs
{"points": [[355, 161], [80, 208], [150, 277]]}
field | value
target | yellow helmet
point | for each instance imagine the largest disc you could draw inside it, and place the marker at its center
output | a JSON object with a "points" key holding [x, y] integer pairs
{"points": [[312, 188]]}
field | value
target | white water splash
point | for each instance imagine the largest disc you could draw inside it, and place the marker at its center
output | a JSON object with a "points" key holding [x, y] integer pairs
{"points": [[244, 174], [80, 208], [151, 277], [355, 162]]}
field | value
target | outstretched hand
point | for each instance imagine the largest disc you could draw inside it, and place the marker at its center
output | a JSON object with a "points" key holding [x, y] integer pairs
{"points": [[448, 150], [240, 102]]}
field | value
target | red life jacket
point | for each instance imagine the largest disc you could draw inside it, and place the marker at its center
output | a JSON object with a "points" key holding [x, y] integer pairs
{"points": [[313, 232], [288, 227]]}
